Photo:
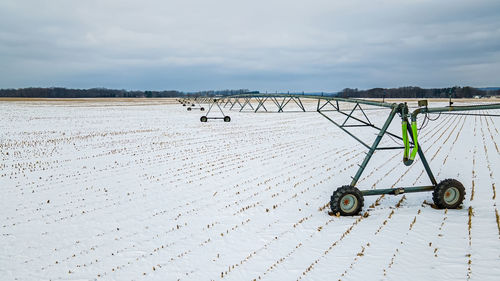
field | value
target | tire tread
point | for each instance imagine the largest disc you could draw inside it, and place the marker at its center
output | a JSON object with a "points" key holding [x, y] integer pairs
{"points": [[341, 192], [438, 193]]}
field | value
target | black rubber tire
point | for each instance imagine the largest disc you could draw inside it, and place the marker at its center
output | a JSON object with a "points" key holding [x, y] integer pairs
{"points": [[339, 196], [203, 119], [183, 104], [202, 109], [227, 119], [442, 191], [192, 104], [189, 108]]}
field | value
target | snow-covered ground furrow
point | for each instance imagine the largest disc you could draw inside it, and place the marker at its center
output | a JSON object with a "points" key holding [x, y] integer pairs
{"points": [[448, 235], [493, 132], [172, 198], [114, 173], [392, 213], [269, 210], [314, 228], [484, 228], [431, 237], [293, 251], [397, 224], [282, 259]]}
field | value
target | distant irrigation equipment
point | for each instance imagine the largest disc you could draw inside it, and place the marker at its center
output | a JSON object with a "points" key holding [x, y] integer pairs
{"points": [[347, 200], [191, 104], [212, 102]]}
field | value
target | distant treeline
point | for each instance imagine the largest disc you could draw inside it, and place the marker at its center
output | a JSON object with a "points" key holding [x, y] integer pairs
{"points": [[213, 93], [107, 93], [402, 92], [417, 92], [88, 93]]}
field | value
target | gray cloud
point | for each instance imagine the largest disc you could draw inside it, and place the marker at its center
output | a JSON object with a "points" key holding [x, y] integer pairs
{"points": [[265, 45]]}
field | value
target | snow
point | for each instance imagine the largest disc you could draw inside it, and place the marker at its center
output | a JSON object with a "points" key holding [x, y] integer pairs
{"points": [[141, 190]]}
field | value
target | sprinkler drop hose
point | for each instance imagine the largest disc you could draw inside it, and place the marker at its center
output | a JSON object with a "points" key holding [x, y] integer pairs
{"points": [[408, 157]]}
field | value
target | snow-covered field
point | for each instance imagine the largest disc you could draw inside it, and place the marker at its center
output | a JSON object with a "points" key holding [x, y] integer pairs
{"points": [[141, 190]]}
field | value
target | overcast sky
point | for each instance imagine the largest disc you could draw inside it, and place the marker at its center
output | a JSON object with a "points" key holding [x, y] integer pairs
{"points": [[308, 45]]}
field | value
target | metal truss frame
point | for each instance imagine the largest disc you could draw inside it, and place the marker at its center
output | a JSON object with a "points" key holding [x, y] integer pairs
{"points": [[333, 104]]}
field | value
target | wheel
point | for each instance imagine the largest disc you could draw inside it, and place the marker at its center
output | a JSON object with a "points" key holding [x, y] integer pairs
{"points": [[448, 194], [189, 108], [183, 104], [227, 119], [202, 109], [203, 119], [346, 200]]}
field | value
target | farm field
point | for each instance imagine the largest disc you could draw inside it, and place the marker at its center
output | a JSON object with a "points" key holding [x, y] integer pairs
{"points": [[142, 190]]}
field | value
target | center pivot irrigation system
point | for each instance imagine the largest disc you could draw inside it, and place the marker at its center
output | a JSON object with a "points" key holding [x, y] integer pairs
{"points": [[347, 200]]}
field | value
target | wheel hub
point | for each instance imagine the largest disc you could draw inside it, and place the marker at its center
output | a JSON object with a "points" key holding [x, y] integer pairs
{"points": [[451, 195], [349, 203]]}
